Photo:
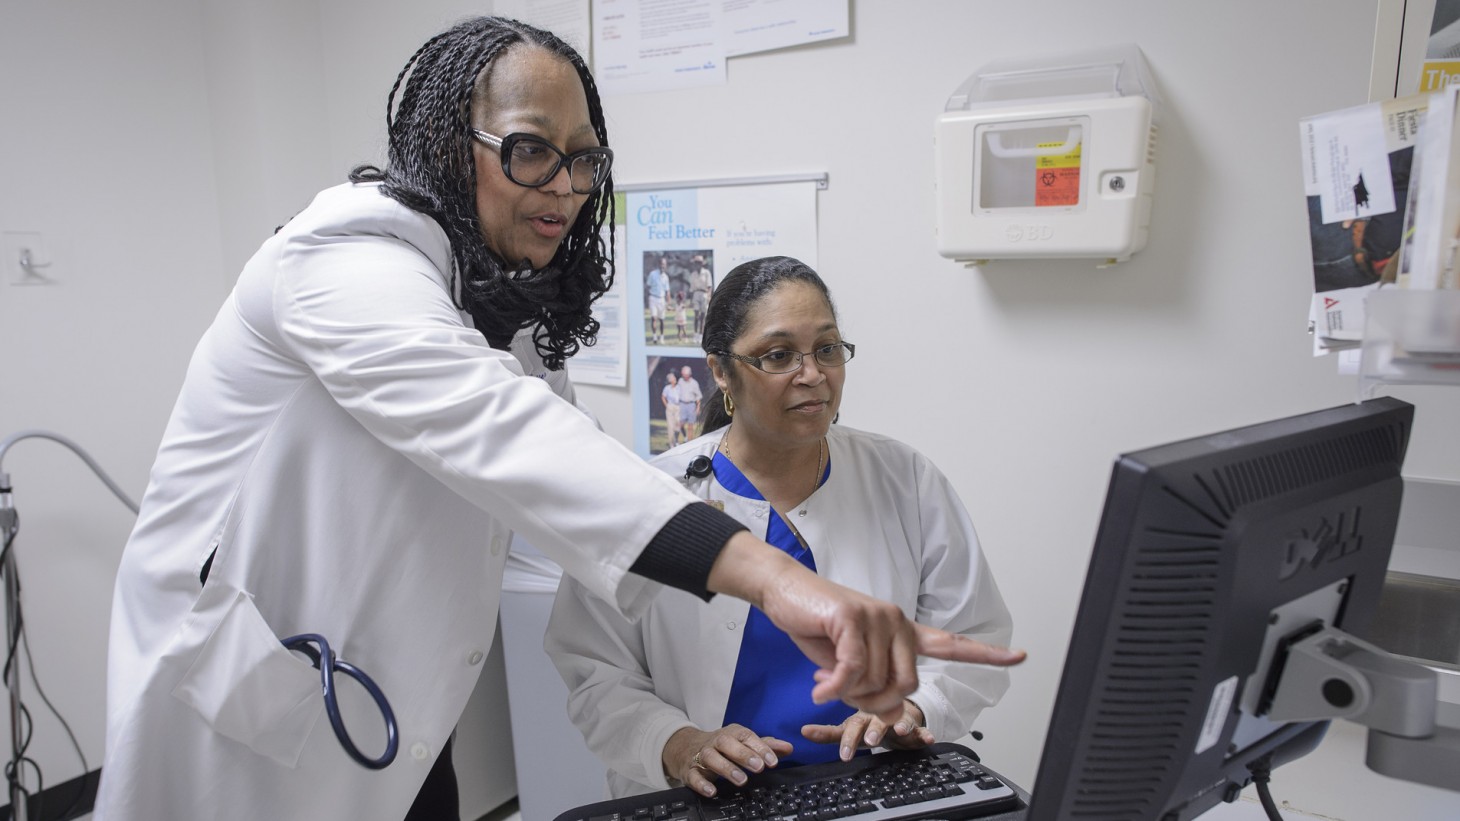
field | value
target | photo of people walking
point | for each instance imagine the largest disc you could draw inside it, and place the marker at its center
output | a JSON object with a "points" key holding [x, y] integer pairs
{"points": [[678, 398], [677, 288]]}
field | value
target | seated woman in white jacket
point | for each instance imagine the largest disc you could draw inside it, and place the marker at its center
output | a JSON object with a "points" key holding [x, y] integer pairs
{"points": [[692, 692]]}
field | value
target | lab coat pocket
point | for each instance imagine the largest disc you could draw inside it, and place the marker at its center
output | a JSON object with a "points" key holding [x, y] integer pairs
{"points": [[252, 690]]}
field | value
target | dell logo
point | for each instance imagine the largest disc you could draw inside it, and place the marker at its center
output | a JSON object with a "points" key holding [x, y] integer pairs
{"points": [[1034, 232], [1312, 547]]}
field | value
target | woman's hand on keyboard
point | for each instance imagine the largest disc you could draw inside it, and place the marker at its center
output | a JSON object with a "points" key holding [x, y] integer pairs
{"points": [[696, 757], [862, 729]]}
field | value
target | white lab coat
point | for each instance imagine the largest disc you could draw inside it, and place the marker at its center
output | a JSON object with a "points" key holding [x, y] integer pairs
{"points": [[357, 457], [886, 522]]}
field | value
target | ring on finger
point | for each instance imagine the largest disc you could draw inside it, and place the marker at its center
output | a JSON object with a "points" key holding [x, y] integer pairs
{"points": [[696, 763]]}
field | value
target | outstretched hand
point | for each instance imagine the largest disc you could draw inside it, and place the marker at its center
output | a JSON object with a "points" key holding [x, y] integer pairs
{"points": [[866, 649]]}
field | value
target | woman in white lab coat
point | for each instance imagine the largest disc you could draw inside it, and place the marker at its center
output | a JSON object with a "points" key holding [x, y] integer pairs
{"points": [[354, 443], [692, 692]]}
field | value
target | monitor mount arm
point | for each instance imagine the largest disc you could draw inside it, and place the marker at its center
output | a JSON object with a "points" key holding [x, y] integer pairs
{"points": [[1329, 674]]}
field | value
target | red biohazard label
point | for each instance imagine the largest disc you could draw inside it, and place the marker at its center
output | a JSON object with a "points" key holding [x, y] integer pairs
{"points": [[1057, 177]]}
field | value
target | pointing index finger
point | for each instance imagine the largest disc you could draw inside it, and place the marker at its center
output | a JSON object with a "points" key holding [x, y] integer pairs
{"points": [[941, 644]]}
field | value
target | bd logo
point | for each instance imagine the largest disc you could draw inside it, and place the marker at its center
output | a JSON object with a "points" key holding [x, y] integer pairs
{"points": [[1029, 233]]}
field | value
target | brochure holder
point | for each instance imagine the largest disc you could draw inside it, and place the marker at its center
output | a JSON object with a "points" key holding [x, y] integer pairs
{"points": [[1049, 158], [1410, 338]]}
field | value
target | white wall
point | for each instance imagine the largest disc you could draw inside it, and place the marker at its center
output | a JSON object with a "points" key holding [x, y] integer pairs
{"points": [[156, 142], [153, 144], [1029, 378], [106, 150]]}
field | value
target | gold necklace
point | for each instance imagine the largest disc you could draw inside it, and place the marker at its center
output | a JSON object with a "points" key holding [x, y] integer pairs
{"points": [[815, 483], [820, 463], [820, 470]]}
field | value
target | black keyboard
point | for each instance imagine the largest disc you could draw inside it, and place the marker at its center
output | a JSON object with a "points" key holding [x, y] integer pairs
{"points": [[944, 781]]}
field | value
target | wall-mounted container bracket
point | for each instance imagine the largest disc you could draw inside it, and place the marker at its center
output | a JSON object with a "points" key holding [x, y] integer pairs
{"points": [[1048, 158]]}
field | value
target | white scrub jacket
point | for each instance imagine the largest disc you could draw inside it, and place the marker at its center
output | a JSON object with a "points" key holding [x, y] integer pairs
{"points": [[354, 457], [886, 522]]}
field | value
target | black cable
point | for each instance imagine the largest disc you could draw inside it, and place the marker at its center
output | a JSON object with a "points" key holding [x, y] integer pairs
{"points": [[29, 727], [10, 769], [20, 640], [1261, 770], [18, 635], [10, 644], [13, 768], [76, 745]]}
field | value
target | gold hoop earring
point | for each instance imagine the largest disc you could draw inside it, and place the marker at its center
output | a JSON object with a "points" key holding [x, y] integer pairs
{"points": [[729, 404]]}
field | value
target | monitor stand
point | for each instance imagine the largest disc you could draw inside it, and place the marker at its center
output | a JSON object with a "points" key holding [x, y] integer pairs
{"points": [[1413, 736]]}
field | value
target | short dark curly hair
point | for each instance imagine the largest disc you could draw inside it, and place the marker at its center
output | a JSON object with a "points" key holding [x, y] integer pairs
{"points": [[431, 170]]}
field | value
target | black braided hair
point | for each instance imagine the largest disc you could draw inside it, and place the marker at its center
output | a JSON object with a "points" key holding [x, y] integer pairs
{"points": [[730, 304], [431, 170]]}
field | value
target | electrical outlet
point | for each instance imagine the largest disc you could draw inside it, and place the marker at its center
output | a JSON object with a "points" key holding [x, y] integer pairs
{"points": [[24, 259]]}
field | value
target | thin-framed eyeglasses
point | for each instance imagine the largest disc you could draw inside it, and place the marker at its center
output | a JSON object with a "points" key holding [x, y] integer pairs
{"points": [[834, 355], [532, 162]]}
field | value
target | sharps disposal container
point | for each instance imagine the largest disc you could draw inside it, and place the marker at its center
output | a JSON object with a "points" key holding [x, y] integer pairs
{"points": [[1048, 158]]}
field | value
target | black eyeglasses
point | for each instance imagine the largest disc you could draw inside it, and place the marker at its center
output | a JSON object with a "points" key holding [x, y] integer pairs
{"points": [[834, 355], [531, 161]]}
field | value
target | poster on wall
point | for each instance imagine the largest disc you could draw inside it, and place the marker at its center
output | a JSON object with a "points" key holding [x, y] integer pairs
{"points": [[681, 242], [762, 25], [606, 363], [659, 46], [568, 19]]}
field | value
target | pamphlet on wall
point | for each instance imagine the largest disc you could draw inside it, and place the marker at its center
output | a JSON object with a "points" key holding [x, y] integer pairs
{"points": [[1404, 257], [606, 362], [1414, 332], [641, 46], [1357, 172], [1428, 253], [762, 25]]}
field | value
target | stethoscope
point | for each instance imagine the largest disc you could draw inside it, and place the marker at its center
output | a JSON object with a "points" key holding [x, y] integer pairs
{"points": [[302, 643]]}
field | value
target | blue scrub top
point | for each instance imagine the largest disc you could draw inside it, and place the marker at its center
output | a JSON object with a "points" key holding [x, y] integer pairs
{"points": [[771, 691]]}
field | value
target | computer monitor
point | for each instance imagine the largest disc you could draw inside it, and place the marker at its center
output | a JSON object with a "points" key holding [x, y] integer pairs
{"points": [[1212, 556]]}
